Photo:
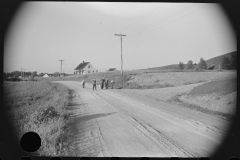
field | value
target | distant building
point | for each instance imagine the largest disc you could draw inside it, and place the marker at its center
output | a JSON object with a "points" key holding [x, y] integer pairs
{"points": [[85, 68], [46, 75], [112, 69]]}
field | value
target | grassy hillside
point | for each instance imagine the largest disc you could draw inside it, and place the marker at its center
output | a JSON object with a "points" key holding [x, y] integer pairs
{"points": [[222, 87], [216, 61], [213, 62], [39, 107], [171, 67], [146, 79], [217, 97]]}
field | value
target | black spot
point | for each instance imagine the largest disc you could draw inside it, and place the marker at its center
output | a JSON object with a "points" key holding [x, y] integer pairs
{"points": [[30, 142]]}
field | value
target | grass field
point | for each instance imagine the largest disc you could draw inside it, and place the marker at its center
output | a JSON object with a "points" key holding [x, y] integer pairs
{"points": [[171, 79], [39, 107], [222, 87], [219, 96], [209, 92], [147, 79]]}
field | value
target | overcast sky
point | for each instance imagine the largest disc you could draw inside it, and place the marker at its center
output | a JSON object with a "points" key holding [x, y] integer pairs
{"points": [[157, 34]]}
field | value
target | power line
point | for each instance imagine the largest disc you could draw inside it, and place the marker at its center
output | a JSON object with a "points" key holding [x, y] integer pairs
{"points": [[161, 20], [100, 44], [168, 23], [140, 18], [107, 38]]}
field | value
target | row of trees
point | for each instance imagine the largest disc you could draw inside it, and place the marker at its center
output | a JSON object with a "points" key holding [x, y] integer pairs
{"points": [[190, 64], [23, 74], [226, 63], [19, 73]]}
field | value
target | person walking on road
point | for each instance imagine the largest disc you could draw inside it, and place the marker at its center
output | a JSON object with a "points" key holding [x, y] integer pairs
{"points": [[94, 84], [112, 83], [106, 83], [83, 83], [103, 81]]}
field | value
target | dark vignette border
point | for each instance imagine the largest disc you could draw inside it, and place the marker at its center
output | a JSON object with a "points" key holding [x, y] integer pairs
{"points": [[9, 145]]}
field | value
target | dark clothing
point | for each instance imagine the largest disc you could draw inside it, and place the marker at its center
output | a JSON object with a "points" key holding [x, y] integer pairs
{"points": [[94, 84], [106, 84], [83, 84], [103, 82]]}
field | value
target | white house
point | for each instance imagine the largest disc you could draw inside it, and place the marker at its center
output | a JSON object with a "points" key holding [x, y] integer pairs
{"points": [[45, 75], [85, 68]]}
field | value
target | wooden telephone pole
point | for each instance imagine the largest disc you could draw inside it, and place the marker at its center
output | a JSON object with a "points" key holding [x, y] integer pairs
{"points": [[61, 67], [121, 52]]}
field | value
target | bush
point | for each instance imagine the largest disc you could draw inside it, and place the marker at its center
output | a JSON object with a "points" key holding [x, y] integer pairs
{"points": [[233, 61], [225, 64], [202, 64], [190, 64], [181, 65]]}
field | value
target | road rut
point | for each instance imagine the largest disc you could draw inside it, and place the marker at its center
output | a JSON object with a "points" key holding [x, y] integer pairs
{"points": [[108, 123]]}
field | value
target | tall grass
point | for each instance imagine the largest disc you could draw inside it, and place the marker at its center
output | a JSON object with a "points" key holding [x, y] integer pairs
{"points": [[39, 107], [147, 79]]}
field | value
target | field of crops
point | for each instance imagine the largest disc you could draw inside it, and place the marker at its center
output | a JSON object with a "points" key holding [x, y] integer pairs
{"points": [[39, 107]]}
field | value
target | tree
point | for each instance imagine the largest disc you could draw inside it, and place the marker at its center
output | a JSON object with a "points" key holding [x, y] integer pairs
{"points": [[190, 64], [233, 61], [15, 74], [225, 64], [34, 73], [181, 65], [41, 74], [202, 64]]}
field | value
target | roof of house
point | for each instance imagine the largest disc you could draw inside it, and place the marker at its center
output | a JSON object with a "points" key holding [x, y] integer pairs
{"points": [[45, 75], [112, 69], [81, 66], [56, 73]]}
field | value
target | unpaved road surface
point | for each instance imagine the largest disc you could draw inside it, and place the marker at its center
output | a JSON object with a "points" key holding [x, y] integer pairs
{"points": [[110, 123]]}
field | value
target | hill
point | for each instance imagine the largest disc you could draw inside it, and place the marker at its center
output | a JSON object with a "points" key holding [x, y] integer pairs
{"points": [[212, 63], [216, 61]]}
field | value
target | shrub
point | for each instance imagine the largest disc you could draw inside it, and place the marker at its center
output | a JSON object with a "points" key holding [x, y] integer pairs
{"points": [[190, 64], [233, 61], [181, 65], [225, 64], [202, 64]]}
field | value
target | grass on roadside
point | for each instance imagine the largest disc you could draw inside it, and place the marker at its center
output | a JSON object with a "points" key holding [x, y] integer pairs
{"points": [[39, 107], [148, 79], [222, 87]]}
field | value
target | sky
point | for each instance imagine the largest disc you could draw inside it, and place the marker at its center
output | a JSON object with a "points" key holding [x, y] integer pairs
{"points": [[157, 34]]}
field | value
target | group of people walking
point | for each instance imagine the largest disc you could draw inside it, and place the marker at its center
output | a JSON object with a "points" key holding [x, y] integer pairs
{"points": [[103, 82]]}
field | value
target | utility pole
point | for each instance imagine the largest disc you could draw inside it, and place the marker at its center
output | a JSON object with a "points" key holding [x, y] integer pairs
{"points": [[61, 67], [22, 72], [121, 52]]}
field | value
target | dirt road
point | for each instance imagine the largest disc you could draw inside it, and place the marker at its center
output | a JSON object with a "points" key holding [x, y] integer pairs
{"points": [[111, 123]]}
